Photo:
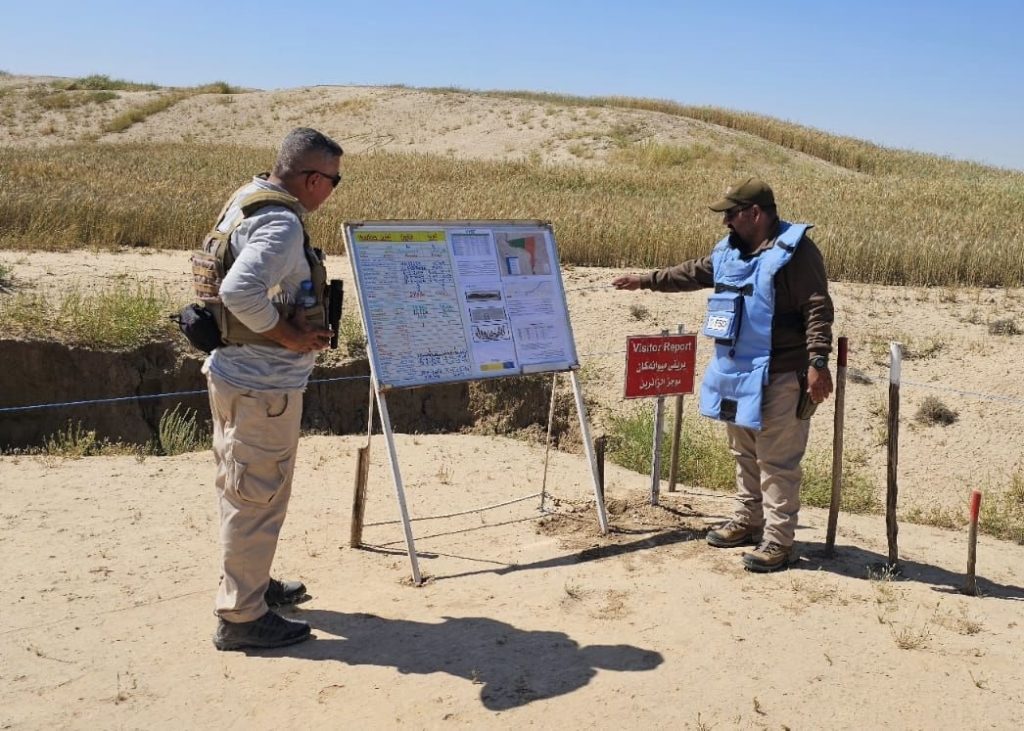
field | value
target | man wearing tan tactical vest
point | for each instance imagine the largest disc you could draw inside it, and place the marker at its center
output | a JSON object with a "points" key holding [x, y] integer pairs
{"points": [[256, 381]]}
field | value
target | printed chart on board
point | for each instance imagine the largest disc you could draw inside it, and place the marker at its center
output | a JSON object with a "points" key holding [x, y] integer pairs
{"points": [[443, 302]]}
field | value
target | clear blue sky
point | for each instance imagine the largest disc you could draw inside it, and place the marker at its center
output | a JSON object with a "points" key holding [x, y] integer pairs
{"points": [[944, 77]]}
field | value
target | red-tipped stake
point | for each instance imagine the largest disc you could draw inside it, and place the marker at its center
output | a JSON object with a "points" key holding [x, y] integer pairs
{"points": [[970, 585]]}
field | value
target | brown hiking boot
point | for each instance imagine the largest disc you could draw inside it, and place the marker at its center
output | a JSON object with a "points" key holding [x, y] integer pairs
{"points": [[734, 533], [768, 556]]}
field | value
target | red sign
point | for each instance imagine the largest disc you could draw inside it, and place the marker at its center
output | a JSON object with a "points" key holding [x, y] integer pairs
{"points": [[660, 365]]}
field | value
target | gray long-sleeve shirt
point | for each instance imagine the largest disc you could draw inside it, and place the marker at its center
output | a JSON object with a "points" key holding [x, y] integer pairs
{"points": [[804, 314], [269, 267]]}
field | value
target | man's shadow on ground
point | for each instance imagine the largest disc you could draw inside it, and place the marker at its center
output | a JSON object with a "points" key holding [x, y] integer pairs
{"points": [[513, 666], [858, 563]]}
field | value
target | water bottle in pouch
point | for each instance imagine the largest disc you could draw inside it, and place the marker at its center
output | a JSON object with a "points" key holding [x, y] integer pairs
{"points": [[306, 298]]}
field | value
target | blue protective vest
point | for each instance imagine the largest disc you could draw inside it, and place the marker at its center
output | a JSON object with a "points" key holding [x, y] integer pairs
{"points": [[739, 318]]}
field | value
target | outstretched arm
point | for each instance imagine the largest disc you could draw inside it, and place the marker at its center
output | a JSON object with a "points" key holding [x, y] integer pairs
{"points": [[686, 277]]}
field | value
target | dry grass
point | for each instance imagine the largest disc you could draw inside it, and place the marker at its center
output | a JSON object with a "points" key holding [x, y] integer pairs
{"points": [[161, 103], [910, 637], [102, 82], [113, 317], [899, 218], [165, 195]]}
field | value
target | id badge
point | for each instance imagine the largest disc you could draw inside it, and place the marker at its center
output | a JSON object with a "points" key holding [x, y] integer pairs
{"points": [[723, 319]]}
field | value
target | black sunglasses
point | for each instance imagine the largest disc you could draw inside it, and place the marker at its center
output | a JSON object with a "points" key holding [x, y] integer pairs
{"points": [[733, 212], [335, 179]]}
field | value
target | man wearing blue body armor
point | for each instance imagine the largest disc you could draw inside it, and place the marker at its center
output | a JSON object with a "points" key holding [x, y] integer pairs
{"points": [[770, 317]]}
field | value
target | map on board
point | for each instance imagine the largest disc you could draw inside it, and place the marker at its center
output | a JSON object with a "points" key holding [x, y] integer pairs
{"points": [[444, 302]]}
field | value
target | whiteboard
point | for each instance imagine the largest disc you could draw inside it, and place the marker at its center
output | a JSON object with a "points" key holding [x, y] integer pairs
{"points": [[447, 301]]}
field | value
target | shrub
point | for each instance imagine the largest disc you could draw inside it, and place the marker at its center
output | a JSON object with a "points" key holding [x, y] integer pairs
{"points": [[933, 411], [639, 312], [179, 432], [1003, 327], [102, 82], [218, 87], [75, 441]]}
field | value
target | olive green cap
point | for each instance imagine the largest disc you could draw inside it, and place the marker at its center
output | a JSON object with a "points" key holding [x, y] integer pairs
{"points": [[749, 192]]}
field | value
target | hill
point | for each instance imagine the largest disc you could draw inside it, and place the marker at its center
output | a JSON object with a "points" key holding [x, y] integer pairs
{"points": [[631, 171]]}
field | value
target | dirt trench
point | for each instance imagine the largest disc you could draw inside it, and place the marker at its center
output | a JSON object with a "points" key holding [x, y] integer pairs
{"points": [[34, 373]]}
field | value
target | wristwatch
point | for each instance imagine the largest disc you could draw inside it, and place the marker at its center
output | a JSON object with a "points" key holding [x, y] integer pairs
{"points": [[820, 362]]}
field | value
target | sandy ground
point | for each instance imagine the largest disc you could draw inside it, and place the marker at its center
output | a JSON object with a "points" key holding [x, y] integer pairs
{"points": [[526, 620], [950, 356], [529, 618]]}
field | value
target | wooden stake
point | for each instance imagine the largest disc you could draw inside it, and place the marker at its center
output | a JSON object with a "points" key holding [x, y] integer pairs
{"points": [[599, 446], [355, 538], [892, 488], [971, 585], [359, 496], [837, 449]]}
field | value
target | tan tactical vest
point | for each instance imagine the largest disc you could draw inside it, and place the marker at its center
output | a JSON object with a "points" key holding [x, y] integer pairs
{"points": [[211, 263]]}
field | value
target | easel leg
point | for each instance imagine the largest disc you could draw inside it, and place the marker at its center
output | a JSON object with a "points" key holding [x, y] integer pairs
{"points": [[547, 445], [389, 436], [581, 411]]}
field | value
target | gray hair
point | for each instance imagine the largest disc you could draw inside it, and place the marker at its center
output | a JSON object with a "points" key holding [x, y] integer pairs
{"points": [[297, 149]]}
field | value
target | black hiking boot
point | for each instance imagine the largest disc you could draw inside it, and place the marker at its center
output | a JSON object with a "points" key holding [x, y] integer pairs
{"points": [[285, 593], [270, 630]]}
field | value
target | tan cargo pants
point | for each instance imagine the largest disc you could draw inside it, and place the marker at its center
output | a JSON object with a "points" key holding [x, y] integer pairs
{"points": [[255, 437], [768, 462]]}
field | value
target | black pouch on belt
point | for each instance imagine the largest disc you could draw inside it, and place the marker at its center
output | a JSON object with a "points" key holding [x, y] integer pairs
{"points": [[200, 327], [805, 406]]}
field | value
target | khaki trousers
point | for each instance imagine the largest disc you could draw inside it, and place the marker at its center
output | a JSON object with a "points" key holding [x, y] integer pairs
{"points": [[768, 461], [255, 437]]}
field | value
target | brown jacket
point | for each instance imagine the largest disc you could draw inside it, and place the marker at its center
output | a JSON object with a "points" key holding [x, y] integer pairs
{"points": [[803, 309]]}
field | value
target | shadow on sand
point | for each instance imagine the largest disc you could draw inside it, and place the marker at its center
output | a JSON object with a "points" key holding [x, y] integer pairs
{"points": [[514, 667], [858, 563]]}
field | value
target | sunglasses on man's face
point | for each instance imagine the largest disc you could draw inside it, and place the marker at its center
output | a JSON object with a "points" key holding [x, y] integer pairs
{"points": [[733, 212], [335, 179]]}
